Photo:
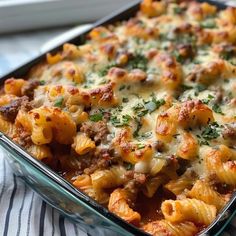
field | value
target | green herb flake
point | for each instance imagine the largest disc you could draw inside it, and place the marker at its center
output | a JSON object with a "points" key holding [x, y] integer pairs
{"points": [[128, 166], [122, 87], [186, 87], [120, 122], [211, 132], [103, 72], [138, 127], [140, 146], [200, 87], [208, 99], [138, 62], [42, 82], [177, 10], [208, 24], [217, 109], [59, 101], [146, 135], [126, 119], [96, 117], [125, 100]]}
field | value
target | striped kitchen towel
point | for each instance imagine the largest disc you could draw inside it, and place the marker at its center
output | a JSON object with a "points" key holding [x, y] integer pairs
{"points": [[23, 213]]}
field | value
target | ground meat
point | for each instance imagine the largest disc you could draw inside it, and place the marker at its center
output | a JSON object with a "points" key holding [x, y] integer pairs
{"points": [[28, 88], [24, 139], [229, 132], [10, 111], [102, 159], [96, 130]]}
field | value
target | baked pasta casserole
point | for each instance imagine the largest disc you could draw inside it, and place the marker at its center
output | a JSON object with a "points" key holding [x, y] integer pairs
{"points": [[141, 117]]}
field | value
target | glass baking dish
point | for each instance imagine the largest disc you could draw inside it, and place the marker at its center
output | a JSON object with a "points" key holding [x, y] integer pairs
{"points": [[93, 218]]}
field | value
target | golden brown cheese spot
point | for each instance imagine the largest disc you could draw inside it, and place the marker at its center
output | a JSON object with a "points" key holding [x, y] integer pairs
{"points": [[152, 8]]}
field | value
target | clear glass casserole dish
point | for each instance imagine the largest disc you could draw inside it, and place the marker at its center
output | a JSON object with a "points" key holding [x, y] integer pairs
{"points": [[67, 199]]}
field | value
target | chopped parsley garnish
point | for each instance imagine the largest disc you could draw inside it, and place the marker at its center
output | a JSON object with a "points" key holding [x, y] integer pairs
{"points": [[138, 62], [122, 87], [125, 100], [96, 117], [217, 109], [227, 54], [200, 87], [211, 131], [138, 127], [140, 146], [186, 87], [179, 58], [148, 106], [104, 70], [59, 101], [208, 99], [42, 82], [146, 135], [208, 24], [177, 10], [119, 122], [128, 166]]}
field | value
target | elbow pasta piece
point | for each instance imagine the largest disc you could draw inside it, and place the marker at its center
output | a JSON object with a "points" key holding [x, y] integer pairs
{"points": [[51, 123], [73, 72], [71, 51], [7, 127], [77, 114], [178, 186], [13, 86], [227, 16], [130, 152], [171, 71], [23, 119], [204, 192], [188, 147], [152, 8], [102, 96], [55, 91], [83, 144], [111, 178], [118, 204], [157, 165], [83, 181], [41, 152], [135, 29], [221, 162], [212, 71], [166, 125], [188, 210], [166, 228], [6, 99], [198, 12], [41, 124], [102, 34], [53, 59], [193, 113]]}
